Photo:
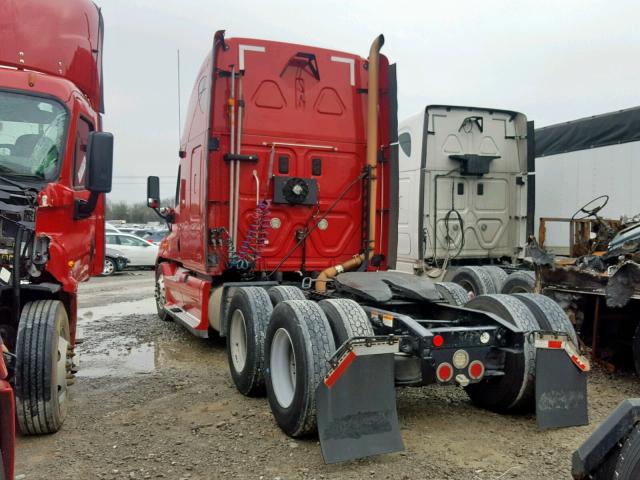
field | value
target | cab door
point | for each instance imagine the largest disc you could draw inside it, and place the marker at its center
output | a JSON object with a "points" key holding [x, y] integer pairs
{"points": [[85, 239]]}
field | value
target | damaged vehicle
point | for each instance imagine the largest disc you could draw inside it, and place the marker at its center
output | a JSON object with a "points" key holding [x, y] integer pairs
{"points": [[598, 284]]}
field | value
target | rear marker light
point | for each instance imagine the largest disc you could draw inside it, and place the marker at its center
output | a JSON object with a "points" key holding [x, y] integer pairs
{"points": [[476, 370], [438, 341], [485, 337], [460, 359], [444, 372]]}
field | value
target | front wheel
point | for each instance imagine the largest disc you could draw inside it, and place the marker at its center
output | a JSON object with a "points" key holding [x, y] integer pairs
{"points": [[109, 267], [42, 366], [160, 295]]}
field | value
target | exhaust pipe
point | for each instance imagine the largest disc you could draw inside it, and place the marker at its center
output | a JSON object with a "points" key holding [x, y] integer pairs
{"points": [[372, 161]]}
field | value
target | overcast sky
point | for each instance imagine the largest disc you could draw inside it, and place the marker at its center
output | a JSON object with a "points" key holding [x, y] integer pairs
{"points": [[553, 61]]}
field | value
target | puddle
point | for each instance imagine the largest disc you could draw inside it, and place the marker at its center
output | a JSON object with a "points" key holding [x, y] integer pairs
{"points": [[125, 357], [118, 360], [145, 306]]}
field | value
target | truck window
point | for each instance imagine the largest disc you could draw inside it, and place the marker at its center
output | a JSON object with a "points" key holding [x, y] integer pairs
{"points": [[80, 154], [404, 139], [178, 189], [32, 136]]}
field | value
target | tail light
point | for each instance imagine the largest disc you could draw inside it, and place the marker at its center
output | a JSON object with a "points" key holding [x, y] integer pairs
{"points": [[476, 370], [444, 372], [438, 341]]}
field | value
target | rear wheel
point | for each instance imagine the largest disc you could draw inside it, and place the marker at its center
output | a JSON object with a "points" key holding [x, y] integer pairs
{"points": [[247, 320], [298, 346], [42, 365], [452, 293], [109, 267], [475, 280], [548, 314], [347, 319], [519, 282], [513, 391], [628, 462], [498, 276], [281, 293]]}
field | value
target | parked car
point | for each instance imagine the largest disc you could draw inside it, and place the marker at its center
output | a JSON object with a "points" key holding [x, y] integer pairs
{"points": [[141, 253], [114, 261], [109, 228], [142, 232], [156, 237]]}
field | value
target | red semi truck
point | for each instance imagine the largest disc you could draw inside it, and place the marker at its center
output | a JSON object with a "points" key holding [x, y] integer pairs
{"points": [[55, 167], [283, 240]]}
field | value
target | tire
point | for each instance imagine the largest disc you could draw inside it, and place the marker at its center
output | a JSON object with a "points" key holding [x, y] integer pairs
{"points": [[628, 462], [548, 314], [475, 280], [281, 293], [452, 293], [346, 319], [498, 276], [298, 346], [41, 367], [512, 392], [110, 267], [160, 296], [247, 320], [519, 282]]}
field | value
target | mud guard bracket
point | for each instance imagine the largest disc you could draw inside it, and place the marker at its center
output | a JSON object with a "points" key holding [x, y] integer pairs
{"points": [[356, 402], [561, 382]]}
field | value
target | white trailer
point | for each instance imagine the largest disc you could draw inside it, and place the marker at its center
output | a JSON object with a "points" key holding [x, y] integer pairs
{"points": [[464, 191], [580, 160]]}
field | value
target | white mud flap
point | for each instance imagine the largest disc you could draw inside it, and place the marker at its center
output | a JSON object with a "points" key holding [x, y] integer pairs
{"points": [[561, 382], [356, 402]]}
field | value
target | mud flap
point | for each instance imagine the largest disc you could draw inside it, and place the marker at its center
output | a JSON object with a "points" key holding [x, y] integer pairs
{"points": [[356, 402], [561, 382]]}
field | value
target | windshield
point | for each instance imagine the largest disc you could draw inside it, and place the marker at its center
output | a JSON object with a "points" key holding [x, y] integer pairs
{"points": [[32, 135]]}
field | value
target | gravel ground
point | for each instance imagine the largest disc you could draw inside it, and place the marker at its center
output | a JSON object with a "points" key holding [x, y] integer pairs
{"points": [[150, 401]]}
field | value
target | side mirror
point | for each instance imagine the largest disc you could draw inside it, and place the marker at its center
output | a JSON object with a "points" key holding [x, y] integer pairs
{"points": [[100, 159], [153, 192]]}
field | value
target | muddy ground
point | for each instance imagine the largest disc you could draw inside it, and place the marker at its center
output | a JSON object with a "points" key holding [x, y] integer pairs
{"points": [[150, 401]]}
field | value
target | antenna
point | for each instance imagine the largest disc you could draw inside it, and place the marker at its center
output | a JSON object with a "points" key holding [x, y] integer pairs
{"points": [[179, 115]]}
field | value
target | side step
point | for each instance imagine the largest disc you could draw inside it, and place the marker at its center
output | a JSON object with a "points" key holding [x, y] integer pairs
{"points": [[186, 320]]}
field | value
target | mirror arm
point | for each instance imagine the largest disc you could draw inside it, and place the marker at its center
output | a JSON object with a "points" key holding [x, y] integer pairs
{"points": [[167, 217], [84, 208]]}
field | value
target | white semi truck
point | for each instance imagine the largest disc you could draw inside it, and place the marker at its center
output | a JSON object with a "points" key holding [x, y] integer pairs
{"points": [[466, 196]]}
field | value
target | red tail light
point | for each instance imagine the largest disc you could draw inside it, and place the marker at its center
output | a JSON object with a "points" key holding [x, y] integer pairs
{"points": [[438, 341], [476, 369], [444, 372]]}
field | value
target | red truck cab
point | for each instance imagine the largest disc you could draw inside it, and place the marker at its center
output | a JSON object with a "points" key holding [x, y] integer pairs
{"points": [[275, 137], [55, 167]]}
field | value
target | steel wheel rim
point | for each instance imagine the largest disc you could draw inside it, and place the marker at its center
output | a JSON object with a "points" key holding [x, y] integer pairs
{"points": [[238, 340], [283, 368], [62, 369], [109, 267], [160, 294]]}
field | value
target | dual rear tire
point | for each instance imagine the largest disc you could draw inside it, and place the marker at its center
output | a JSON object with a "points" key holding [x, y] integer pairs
{"points": [[514, 391], [280, 343]]}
